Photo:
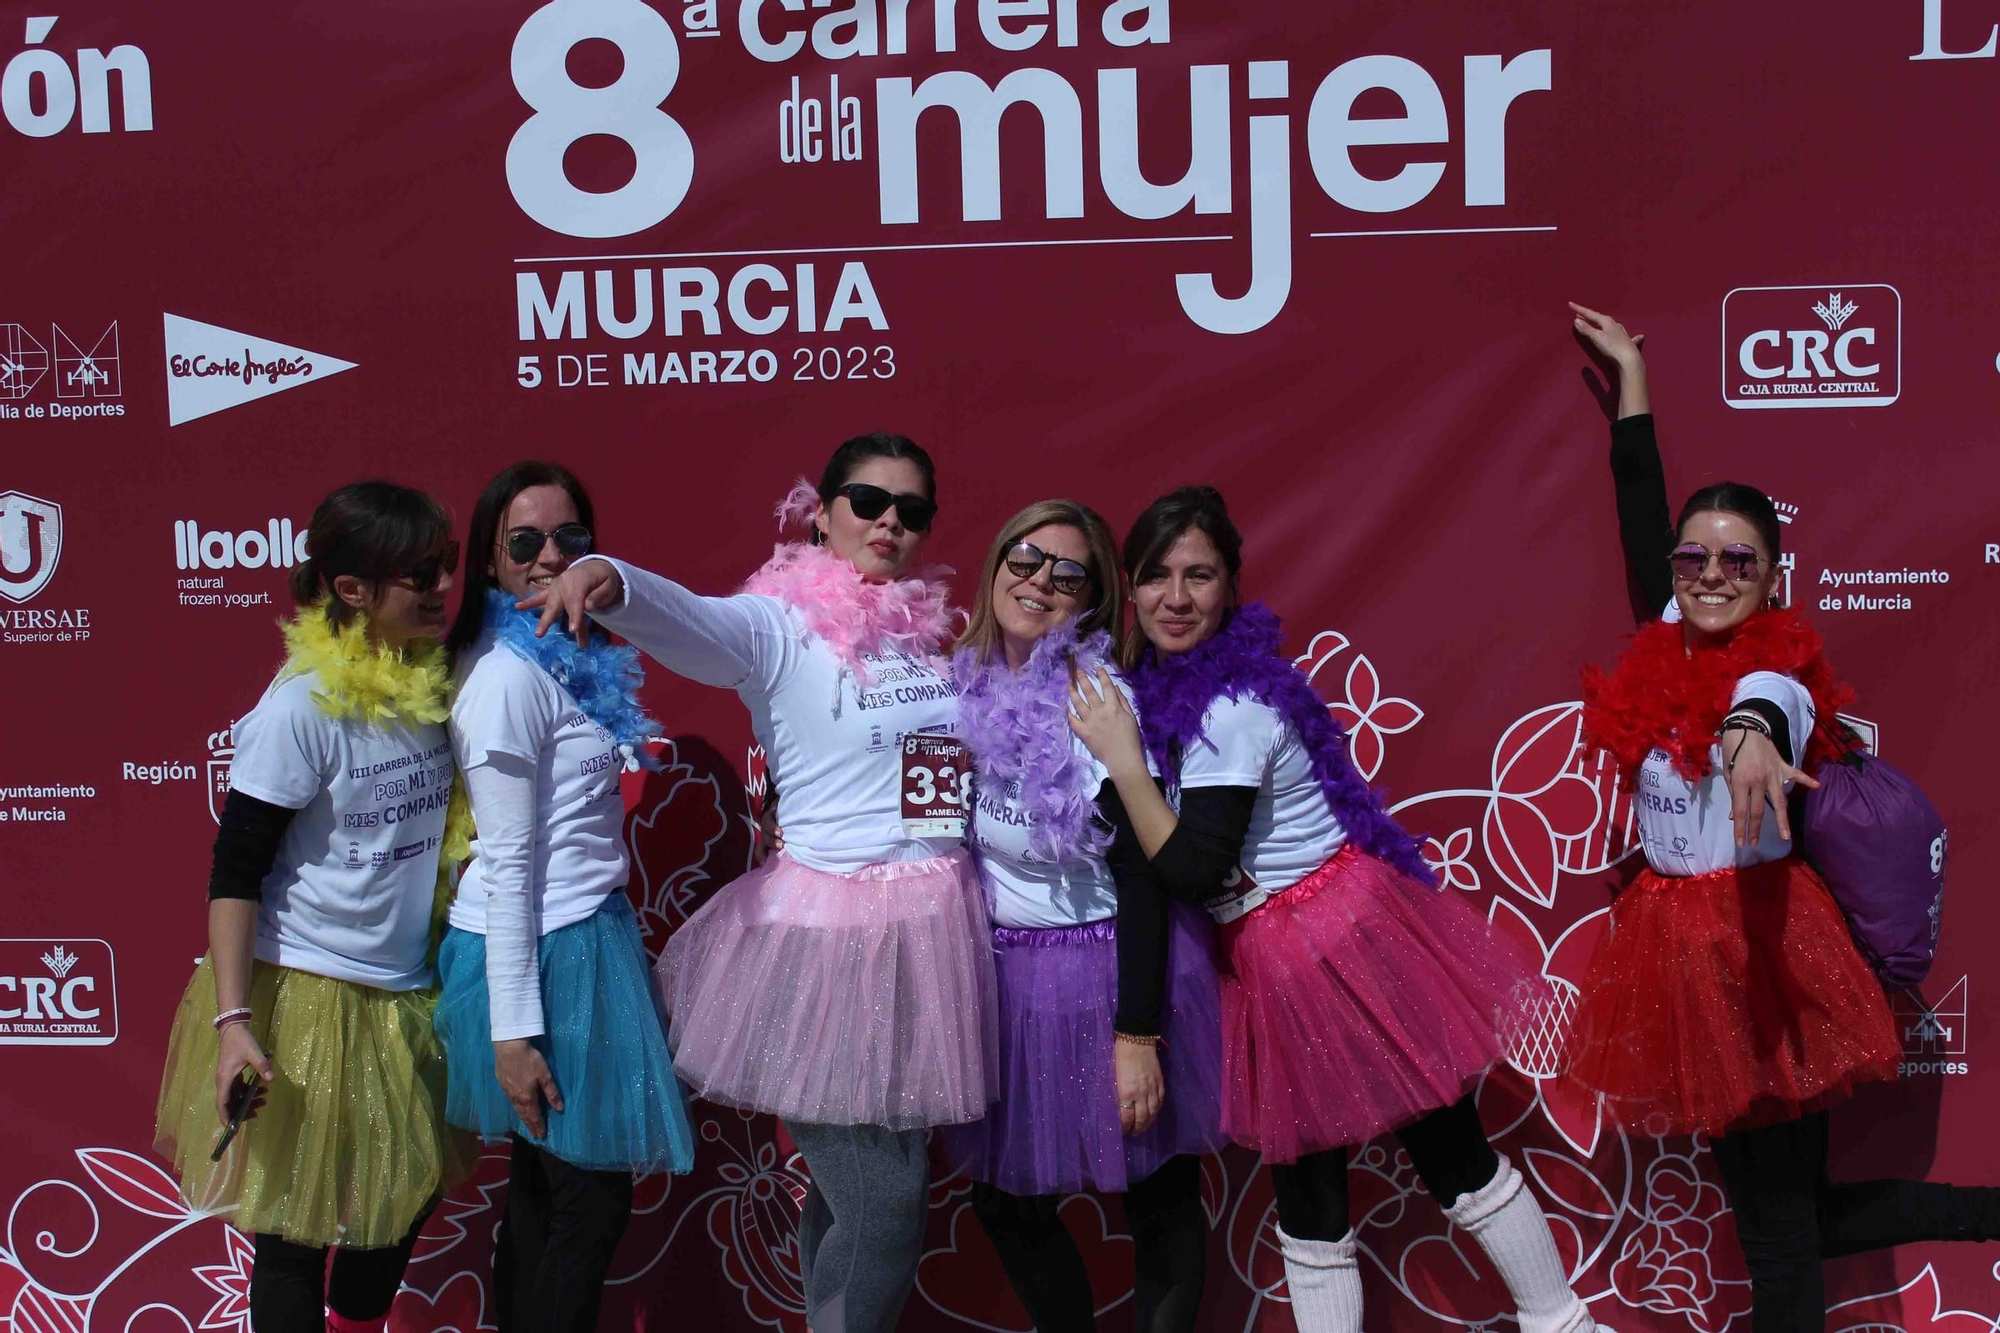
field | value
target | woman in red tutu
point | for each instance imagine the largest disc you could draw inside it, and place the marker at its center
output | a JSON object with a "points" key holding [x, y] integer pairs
{"points": [[1357, 999], [1729, 997]]}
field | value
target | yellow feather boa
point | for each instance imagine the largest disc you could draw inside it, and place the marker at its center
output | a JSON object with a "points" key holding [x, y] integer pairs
{"points": [[373, 683], [364, 680]]}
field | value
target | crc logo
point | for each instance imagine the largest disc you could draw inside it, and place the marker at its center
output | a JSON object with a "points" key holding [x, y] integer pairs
{"points": [[627, 108], [30, 544], [1812, 346], [221, 754], [1932, 1029], [57, 993]]}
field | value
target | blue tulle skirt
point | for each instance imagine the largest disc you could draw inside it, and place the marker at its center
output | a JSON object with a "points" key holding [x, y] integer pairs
{"points": [[623, 1109]]}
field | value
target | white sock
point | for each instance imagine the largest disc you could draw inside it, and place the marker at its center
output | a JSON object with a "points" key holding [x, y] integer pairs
{"points": [[1504, 1218], [1325, 1283]]}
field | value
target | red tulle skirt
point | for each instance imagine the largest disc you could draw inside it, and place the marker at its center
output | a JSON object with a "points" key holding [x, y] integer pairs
{"points": [[1727, 1001], [1357, 1001]]}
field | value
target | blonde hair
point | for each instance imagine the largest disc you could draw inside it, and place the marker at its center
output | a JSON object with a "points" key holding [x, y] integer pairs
{"points": [[982, 631]]}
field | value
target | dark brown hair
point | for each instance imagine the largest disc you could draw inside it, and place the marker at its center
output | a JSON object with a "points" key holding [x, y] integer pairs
{"points": [[372, 530], [1154, 532], [483, 535]]}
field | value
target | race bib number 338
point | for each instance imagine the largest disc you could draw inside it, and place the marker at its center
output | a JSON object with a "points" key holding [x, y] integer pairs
{"points": [[937, 783]]}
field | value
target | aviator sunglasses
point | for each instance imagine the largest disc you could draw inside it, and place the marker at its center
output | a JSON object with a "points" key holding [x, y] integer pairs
{"points": [[869, 502], [1026, 559], [524, 544], [1738, 563]]}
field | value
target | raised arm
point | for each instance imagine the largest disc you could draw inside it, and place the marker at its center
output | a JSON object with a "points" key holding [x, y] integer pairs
{"points": [[720, 641], [1645, 527]]}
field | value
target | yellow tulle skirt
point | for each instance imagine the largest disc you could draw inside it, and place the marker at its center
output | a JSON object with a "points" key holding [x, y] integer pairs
{"points": [[350, 1144]]}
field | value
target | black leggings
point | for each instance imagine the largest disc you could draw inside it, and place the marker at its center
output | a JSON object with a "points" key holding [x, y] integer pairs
{"points": [[1448, 1148], [292, 1286], [1045, 1268], [561, 1227], [1789, 1217]]}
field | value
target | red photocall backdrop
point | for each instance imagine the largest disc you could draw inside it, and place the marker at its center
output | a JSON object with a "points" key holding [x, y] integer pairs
{"points": [[1315, 255]]}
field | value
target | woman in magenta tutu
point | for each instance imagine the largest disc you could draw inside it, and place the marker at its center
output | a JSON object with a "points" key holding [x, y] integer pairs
{"points": [[846, 985], [1357, 999], [1110, 1055]]}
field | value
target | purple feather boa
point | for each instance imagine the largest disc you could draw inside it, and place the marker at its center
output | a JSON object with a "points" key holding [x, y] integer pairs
{"points": [[1243, 657], [1017, 723]]}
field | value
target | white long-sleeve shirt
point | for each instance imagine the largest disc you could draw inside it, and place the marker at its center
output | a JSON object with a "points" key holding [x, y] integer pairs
{"points": [[833, 742], [543, 783]]}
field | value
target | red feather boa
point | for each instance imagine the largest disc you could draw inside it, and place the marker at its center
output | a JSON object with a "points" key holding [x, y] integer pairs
{"points": [[1662, 694]]}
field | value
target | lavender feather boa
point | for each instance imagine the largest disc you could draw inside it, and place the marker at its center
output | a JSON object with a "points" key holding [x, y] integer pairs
{"points": [[1017, 723], [1243, 658]]}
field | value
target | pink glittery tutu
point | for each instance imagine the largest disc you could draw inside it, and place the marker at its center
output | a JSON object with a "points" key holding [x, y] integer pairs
{"points": [[844, 999], [1356, 1001]]}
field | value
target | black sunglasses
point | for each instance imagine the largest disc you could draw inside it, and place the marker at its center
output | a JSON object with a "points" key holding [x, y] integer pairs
{"points": [[426, 574], [869, 502], [1025, 560], [524, 544]]}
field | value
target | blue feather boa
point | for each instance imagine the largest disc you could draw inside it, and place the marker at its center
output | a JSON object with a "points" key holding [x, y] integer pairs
{"points": [[604, 678]]}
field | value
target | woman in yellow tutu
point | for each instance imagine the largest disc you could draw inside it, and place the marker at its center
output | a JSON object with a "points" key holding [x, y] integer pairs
{"points": [[313, 1007]]}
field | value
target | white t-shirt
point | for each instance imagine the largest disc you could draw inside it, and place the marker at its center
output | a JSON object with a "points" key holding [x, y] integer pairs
{"points": [[1685, 826], [1023, 890], [350, 893], [833, 743], [1293, 832]]}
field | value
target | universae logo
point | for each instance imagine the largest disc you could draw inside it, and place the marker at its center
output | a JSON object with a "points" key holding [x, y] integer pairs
{"points": [[31, 532], [1838, 345]]}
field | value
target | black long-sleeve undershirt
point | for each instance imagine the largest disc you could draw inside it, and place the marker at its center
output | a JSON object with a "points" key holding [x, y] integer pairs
{"points": [[1142, 924], [1645, 528], [246, 846]]}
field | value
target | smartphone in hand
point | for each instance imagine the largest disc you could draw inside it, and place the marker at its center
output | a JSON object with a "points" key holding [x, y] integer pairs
{"points": [[241, 1099]]}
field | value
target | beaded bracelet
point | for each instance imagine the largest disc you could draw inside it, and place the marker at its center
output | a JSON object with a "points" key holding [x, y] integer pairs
{"points": [[228, 1016], [1747, 721], [1138, 1040]]}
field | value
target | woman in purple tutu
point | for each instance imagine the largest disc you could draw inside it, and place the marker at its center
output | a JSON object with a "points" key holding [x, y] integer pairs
{"points": [[846, 984], [1357, 999], [1110, 1035]]}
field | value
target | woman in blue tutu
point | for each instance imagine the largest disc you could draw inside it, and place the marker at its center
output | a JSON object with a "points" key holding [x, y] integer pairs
{"points": [[548, 1013], [1110, 1023]]}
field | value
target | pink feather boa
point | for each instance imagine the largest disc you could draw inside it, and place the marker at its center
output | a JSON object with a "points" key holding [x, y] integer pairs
{"points": [[855, 616]]}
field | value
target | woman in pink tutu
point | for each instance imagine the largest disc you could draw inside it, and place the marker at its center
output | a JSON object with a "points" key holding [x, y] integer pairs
{"points": [[1110, 1036], [1357, 999], [846, 985]]}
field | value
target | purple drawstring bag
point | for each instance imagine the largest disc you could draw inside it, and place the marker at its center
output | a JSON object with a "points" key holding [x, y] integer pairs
{"points": [[1879, 844]]}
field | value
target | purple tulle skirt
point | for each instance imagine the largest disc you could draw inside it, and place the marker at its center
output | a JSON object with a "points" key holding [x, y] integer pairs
{"points": [[1358, 1000], [856, 999], [1055, 1128]]}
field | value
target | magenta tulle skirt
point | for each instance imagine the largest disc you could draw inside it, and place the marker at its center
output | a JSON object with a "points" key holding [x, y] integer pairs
{"points": [[1358, 1000], [840, 999], [1055, 1127]]}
